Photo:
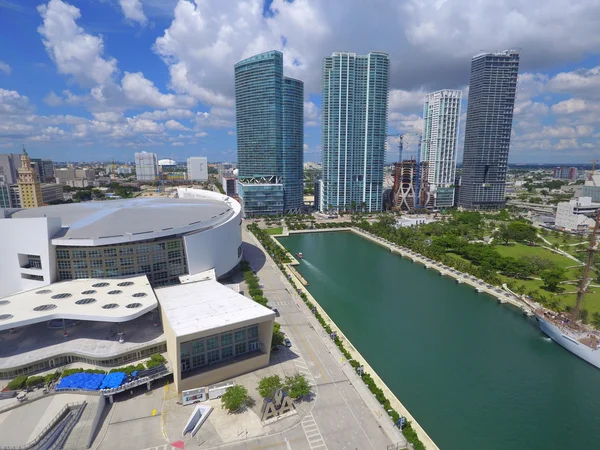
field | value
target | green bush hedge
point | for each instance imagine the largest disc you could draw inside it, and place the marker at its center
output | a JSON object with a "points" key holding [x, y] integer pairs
{"points": [[35, 381], [17, 383], [156, 359], [129, 369]]}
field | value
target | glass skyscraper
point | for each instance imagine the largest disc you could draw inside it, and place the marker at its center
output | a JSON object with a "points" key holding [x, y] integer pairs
{"points": [[438, 143], [492, 90], [354, 130], [293, 144], [270, 135]]}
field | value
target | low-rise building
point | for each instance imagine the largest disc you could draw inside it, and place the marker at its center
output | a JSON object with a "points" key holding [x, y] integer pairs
{"points": [[213, 333], [576, 214], [52, 192]]}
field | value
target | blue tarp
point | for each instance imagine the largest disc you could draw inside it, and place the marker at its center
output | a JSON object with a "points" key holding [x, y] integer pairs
{"points": [[113, 380], [134, 374], [87, 381]]}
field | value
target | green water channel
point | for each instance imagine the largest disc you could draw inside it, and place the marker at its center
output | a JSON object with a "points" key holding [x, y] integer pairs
{"points": [[475, 374]]}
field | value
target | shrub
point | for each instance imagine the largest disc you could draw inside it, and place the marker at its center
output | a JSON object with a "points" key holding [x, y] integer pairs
{"points": [[267, 386], [129, 369], [35, 381], [156, 359], [18, 383]]}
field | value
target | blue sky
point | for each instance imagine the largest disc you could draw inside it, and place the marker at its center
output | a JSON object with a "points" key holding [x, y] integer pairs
{"points": [[101, 79]]}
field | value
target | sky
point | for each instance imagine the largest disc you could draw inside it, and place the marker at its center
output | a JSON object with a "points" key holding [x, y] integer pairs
{"points": [[97, 80]]}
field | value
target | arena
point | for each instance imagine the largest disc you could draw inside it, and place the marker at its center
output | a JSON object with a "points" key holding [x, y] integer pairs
{"points": [[162, 238]]}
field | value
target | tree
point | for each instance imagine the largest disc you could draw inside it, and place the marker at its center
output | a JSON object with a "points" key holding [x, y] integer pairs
{"points": [[552, 278], [267, 386], [596, 319], [297, 386], [277, 336], [235, 398], [522, 232], [503, 234]]}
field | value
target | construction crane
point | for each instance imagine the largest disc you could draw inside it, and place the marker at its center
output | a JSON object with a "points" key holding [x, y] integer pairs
{"points": [[401, 143], [593, 161]]}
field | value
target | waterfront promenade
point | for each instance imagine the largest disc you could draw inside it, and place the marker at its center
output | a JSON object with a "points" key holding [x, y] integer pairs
{"points": [[344, 412]]}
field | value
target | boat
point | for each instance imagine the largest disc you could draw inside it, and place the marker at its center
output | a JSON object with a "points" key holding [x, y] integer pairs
{"points": [[564, 328], [299, 255]]}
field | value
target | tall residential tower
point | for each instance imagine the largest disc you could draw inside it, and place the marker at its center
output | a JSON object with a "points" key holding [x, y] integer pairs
{"points": [[354, 129], [438, 146], [270, 135], [492, 90]]}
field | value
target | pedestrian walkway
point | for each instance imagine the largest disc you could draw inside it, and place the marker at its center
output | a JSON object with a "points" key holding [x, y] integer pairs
{"points": [[312, 433]]}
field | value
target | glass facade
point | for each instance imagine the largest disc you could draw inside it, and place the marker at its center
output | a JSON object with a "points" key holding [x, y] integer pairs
{"points": [[293, 144], [258, 110], [219, 347], [261, 198], [492, 90], [354, 130], [270, 131], [163, 261]]}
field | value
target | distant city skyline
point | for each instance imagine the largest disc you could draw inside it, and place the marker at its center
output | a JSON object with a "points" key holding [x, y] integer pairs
{"points": [[90, 81]]}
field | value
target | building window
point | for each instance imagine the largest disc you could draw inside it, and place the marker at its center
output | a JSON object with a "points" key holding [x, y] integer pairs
{"points": [[62, 254], [172, 245], [226, 339], [110, 262], [174, 254], [80, 264], [34, 262], [64, 274], [253, 332], [158, 247], [197, 346], [64, 264], [126, 251], [79, 254], [81, 274], [142, 249], [212, 342], [96, 263], [227, 352], [240, 348], [127, 261], [159, 266], [185, 349], [213, 356], [143, 259], [240, 335], [198, 360], [94, 253], [110, 252]]}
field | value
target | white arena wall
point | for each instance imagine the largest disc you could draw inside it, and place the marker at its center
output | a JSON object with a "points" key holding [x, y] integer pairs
{"points": [[26, 237], [219, 247]]}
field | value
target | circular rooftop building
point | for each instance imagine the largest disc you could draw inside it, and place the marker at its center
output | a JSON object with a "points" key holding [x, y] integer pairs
{"points": [[163, 238]]}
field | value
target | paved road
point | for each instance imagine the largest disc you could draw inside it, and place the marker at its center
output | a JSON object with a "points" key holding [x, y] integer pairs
{"points": [[340, 419]]}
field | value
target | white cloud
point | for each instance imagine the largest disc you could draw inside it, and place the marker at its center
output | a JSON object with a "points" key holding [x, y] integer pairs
{"points": [[4, 67], [133, 10], [177, 144], [311, 114], [11, 102], [201, 134], [52, 99], [583, 81], [74, 51], [174, 125], [208, 120], [139, 90], [167, 114], [111, 117], [570, 106]]}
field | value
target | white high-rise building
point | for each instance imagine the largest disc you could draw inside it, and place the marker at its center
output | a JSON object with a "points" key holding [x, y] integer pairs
{"points": [[197, 168], [441, 114], [146, 166], [354, 130]]}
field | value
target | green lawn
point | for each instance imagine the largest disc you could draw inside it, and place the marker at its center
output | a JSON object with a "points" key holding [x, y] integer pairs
{"points": [[277, 230], [519, 250], [560, 241]]}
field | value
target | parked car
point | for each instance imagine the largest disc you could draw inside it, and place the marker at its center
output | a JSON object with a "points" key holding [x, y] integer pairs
{"points": [[287, 343]]}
